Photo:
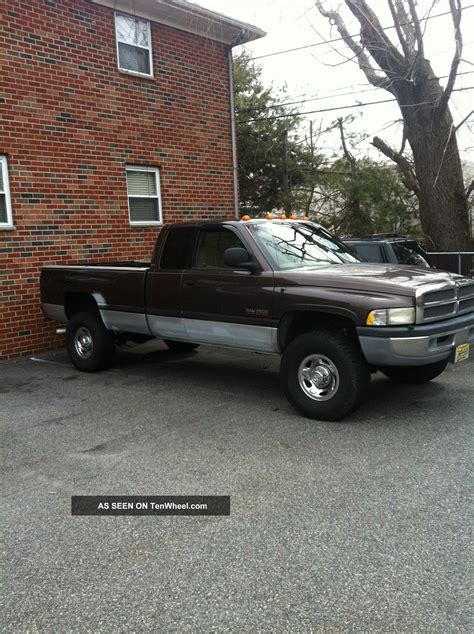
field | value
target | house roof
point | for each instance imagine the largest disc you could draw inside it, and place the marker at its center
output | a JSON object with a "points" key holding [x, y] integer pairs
{"points": [[189, 17]]}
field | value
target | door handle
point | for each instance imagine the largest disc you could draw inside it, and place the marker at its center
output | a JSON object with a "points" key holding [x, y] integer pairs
{"points": [[189, 283]]}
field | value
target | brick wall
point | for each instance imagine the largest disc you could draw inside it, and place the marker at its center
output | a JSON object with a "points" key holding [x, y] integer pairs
{"points": [[70, 122]]}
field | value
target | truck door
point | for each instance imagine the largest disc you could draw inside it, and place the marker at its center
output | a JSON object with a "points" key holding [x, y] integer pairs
{"points": [[163, 295], [226, 306]]}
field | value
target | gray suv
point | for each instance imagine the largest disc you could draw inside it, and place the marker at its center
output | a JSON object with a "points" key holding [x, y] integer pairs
{"points": [[389, 248]]}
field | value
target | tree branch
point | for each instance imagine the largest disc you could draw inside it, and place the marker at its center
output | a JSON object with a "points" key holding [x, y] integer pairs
{"points": [[417, 27], [364, 62], [406, 25], [405, 168], [396, 22], [373, 37], [463, 121], [470, 189], [404, 139], [350, 158], [456, 13]]}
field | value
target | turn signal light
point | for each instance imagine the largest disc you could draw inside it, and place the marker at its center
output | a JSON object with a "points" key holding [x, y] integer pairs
{"points": [[391, 317]]}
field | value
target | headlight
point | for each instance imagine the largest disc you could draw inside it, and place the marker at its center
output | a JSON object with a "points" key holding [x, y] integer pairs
{"points": [[391, 317]]}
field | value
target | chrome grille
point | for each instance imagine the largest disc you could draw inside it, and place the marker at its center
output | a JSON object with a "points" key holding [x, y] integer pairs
{"points": [[448, 301], [466, 291], [440, 296]]}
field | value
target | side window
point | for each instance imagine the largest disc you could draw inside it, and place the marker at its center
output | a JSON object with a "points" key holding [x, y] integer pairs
{"points": [[370, 252], [177, 248], [408, 254], [211, 247], [133, 45], [6, 220]]}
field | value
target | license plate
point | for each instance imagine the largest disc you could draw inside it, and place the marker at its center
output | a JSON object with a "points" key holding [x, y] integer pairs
{"points": [[462, 352]]}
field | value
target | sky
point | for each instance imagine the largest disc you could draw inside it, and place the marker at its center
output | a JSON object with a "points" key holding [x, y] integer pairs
{"points": [[326, 71]]}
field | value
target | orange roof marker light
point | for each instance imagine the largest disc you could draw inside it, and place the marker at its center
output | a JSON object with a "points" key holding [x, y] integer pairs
{"points": [[269, 216], [293, 217], [304, 217], [245, 218], [282, 217]]}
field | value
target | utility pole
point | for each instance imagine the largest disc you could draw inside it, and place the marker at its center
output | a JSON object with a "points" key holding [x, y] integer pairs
{"points": [[286, 182], [311, 146]]}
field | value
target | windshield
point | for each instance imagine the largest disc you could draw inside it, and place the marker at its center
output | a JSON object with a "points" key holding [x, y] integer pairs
{"points": [[300, 245]]}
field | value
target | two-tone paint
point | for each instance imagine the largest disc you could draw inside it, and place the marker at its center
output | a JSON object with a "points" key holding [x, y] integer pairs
{"points": [[255, 310]]}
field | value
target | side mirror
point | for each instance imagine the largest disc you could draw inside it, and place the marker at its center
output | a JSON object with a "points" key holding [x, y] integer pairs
{"points": [[238, 258]]}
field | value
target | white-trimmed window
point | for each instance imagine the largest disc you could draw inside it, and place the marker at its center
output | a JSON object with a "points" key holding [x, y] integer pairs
{"points": [[144, 197], [6, 220], [133, 37]]}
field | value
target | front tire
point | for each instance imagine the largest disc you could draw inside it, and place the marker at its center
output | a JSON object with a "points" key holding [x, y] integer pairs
{"points": [[180, 346], [324, 375], [415, 375], [89, 344]]}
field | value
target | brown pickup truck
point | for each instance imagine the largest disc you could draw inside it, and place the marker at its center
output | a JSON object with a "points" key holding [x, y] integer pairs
{"points": [[280, 287]]}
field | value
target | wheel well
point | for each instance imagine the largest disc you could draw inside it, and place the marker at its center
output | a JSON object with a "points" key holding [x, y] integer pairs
{"points": [[79, 302], [295, 324]]}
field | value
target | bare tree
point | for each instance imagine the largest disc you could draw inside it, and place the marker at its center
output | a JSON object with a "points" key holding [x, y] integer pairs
{"points": [[435, 175]]}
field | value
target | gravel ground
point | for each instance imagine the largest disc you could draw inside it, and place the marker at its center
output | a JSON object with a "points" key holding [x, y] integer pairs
{"points": [[360, 526]]}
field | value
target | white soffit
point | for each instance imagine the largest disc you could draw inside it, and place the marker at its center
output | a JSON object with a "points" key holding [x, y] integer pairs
{"points": [[189, 17]]}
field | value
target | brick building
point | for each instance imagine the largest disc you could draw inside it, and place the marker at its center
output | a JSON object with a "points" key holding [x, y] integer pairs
{"points": [[115, 116]]}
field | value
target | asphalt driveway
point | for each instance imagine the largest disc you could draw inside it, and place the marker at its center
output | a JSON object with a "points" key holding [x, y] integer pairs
{"points": [[334, 527]]}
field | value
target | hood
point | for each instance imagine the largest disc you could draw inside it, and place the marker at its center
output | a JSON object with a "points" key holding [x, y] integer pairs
{"points": [[398, 279]]}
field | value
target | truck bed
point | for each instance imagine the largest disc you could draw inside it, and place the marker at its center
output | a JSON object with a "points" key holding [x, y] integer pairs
{"points": [[118, 289]]}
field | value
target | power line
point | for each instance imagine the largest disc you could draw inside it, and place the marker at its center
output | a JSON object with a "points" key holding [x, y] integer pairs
{"points": [[355, 105], [339, 39], [344, 94]]}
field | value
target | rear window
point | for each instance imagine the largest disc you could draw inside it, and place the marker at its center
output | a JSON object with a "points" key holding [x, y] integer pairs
{"points": [[409, 253], [177, 249], [370, 252]]}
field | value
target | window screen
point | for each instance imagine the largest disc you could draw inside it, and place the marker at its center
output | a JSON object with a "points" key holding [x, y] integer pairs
{"points": [[177, 248], [133, 44], [143, 187]]}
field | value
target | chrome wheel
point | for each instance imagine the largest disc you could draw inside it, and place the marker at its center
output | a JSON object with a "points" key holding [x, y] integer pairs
{"points": [[318, 377], [83, 342]]}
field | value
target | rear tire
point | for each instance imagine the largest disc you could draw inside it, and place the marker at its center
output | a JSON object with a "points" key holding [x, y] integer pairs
{"points": [[89, 344], [180, 346], [324, 375], [415, 375]]}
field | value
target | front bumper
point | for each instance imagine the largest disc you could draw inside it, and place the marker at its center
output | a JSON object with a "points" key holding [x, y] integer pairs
{"points": [[415, 345]]}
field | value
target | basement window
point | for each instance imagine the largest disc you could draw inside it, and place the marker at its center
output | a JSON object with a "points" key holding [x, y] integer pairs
{"points": [[6, 220], [133, 45], [144, 198]]}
